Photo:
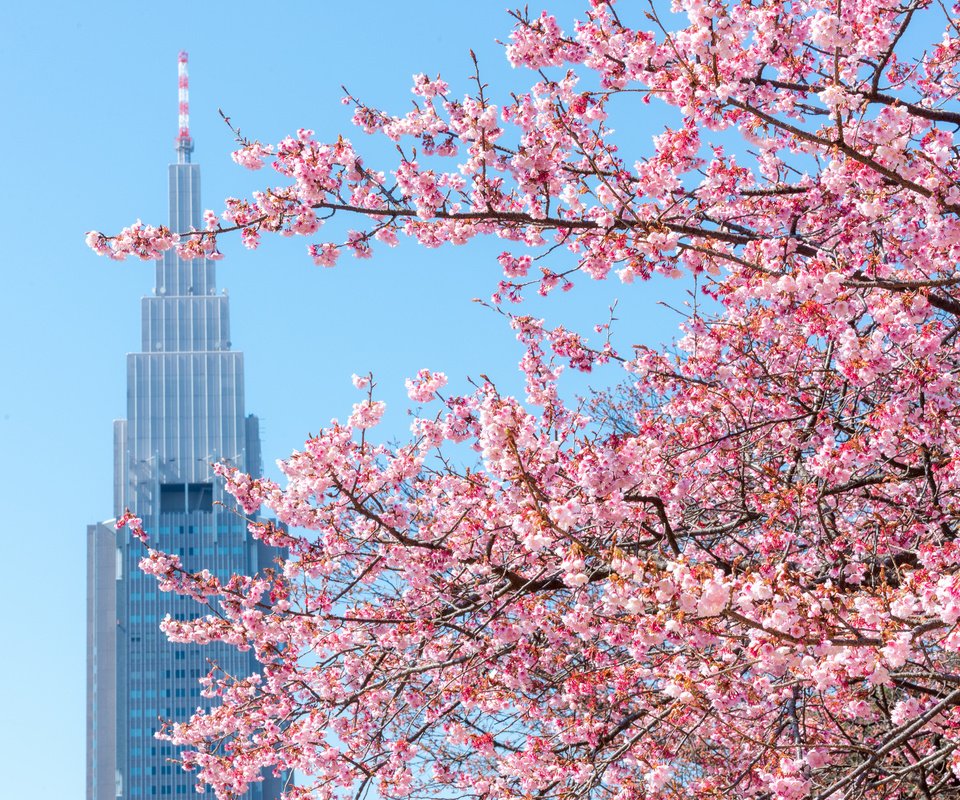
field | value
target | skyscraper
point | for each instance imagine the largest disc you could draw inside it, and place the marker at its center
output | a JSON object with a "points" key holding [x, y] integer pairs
{"points": [[185, 409]]}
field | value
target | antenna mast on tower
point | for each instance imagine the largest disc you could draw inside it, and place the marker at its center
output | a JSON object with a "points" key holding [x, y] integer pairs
{"points": [[184, 142]]}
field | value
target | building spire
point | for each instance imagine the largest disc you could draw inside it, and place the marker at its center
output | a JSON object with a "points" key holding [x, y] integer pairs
{"points": [[184, 142]]}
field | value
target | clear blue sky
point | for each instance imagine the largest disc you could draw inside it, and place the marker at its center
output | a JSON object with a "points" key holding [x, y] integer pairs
{"points": [[89, 99]]}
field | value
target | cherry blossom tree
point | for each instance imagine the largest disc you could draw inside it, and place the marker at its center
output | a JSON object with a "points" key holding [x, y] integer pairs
{"points": [[738, 576]]}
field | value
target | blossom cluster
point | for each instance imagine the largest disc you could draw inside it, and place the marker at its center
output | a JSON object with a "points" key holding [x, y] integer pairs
{"points": [[738, 574]]}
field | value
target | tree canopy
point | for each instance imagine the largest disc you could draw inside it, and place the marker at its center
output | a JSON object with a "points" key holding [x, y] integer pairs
{"points": [[739, 576]]}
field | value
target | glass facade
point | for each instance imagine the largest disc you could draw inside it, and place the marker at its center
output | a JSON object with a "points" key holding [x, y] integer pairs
{"points": [[185, 410]]}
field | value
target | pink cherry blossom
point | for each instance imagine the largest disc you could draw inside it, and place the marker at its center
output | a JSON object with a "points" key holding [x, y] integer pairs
{"points": [[367, 414], [734, 574], [251, 155], [425, 386]]}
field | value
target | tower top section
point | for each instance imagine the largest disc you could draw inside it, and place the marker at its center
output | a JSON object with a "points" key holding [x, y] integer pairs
{"points": [[184, 142]]}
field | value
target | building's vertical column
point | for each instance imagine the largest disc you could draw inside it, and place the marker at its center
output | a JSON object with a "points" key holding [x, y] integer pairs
{"points": [[121, 467], [101, 661]]}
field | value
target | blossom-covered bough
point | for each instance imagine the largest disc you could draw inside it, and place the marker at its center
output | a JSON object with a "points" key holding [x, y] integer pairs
{"points": [[739, 577]]}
